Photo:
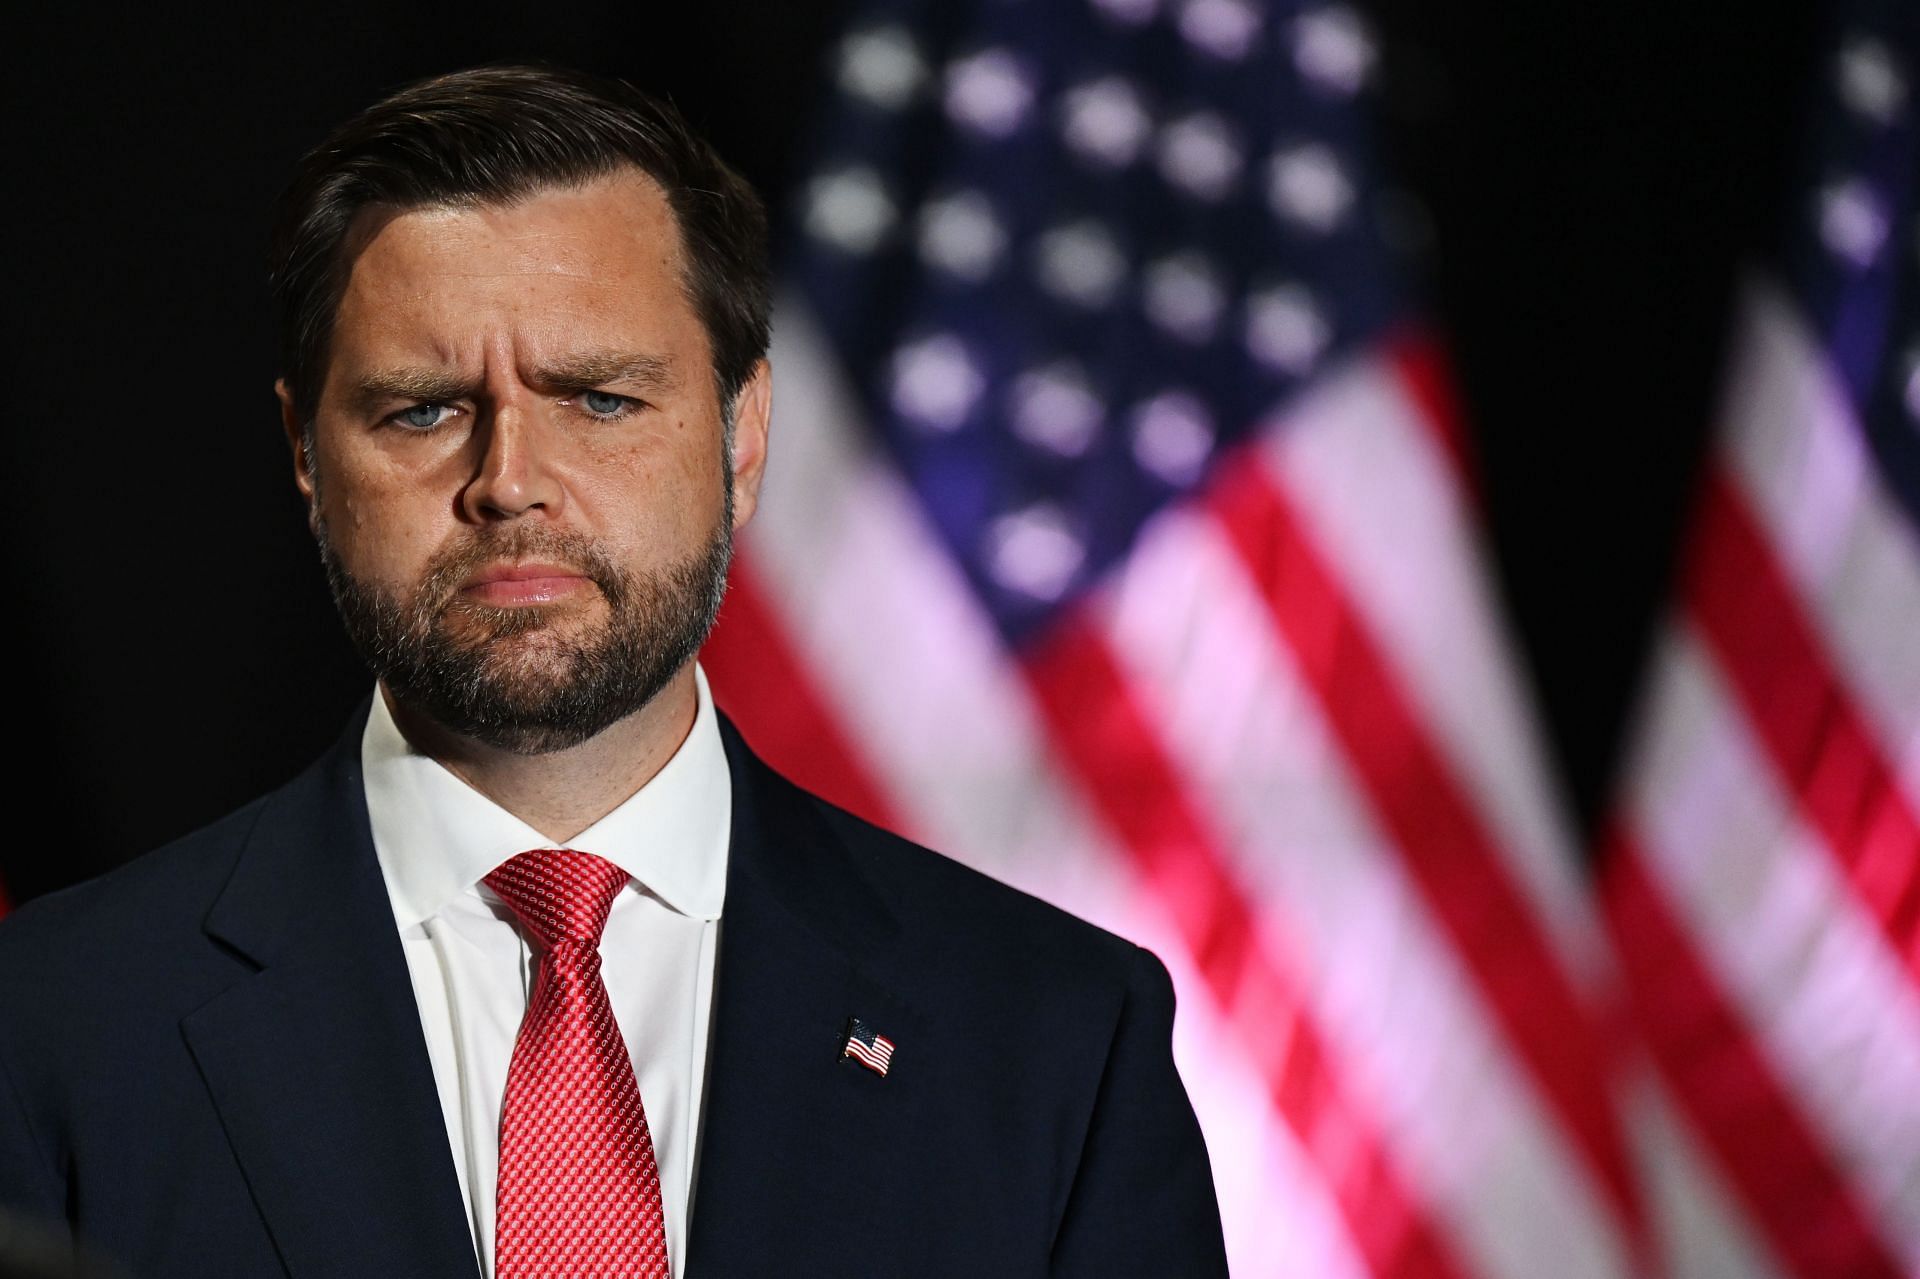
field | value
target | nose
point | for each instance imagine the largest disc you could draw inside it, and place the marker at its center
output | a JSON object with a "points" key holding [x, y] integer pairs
{"points": [[515, 474]]}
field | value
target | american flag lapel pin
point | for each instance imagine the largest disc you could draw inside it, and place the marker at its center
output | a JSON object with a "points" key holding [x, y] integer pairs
{"points": [[866, 1046]]}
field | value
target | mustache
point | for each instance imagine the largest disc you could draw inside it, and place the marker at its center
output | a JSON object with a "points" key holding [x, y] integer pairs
{"points": [[454, 563]]}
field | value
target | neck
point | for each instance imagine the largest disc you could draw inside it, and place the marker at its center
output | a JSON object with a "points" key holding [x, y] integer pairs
{"points": [[563, 792]]}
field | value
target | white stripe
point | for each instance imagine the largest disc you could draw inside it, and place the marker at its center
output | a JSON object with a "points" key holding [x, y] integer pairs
{"points": [[1792, 948], [1401, 1014], [1390, 517], [882, 619], [1279, 1215], [1790, 434], [1699, 1232], [888, 627]]}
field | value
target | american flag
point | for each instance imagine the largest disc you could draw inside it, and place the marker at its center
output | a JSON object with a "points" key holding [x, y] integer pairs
{"points": [[1763, 880], [1119, 541], [872, 1050]]}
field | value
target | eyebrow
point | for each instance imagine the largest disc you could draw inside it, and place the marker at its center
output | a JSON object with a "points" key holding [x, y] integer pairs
{"points": [[598, 368], [421, 384], [587, 369]]}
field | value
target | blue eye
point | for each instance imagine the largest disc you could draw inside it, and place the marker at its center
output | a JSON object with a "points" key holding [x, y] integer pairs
{"points": [[421, 417], [603, 403]]}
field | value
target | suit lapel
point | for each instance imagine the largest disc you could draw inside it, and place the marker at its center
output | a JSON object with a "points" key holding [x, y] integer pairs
{"points": [[316, 1062], [802, 1155], [319, 1070]]}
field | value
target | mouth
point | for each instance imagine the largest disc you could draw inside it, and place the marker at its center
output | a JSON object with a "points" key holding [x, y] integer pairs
{"points": [[514, 585]]}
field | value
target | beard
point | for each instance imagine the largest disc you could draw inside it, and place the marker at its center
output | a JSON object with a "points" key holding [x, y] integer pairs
{"points": [[519, 679]]}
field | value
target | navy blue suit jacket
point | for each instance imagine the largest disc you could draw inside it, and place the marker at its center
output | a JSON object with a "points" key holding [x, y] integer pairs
{"points": [[211, 1063]]}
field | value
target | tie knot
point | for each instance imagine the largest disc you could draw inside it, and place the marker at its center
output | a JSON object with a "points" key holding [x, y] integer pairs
{"points": [[559, 893]]}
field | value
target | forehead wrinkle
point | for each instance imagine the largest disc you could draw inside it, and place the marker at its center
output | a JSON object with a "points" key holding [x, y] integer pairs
{"points": [[398, 260]]}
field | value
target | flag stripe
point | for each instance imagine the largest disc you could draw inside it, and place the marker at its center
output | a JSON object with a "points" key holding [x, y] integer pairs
{"points": [[1262, 1173], [769, 693], [904, 655], [1403, 1017], [1700, 1228], [1814, 735], [1791, 947], [1423, 368], [1801, 458], [1793, 1192], [1359, 463], [1420, 801], [1095, 721], [1099, 727]]}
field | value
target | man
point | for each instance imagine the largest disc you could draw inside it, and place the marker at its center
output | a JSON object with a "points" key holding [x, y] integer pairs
{"points": [[539, 971]]}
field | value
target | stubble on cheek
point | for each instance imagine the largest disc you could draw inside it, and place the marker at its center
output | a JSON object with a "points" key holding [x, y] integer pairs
{"points": [[433, 613], [535, 677]]}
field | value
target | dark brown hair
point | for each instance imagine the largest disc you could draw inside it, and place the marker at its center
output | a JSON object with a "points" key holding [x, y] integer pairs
{"points": [[495, 135]]}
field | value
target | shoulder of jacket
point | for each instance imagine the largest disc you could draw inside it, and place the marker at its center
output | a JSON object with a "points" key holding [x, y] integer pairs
{"points": [[964, 909], [154, 895]]}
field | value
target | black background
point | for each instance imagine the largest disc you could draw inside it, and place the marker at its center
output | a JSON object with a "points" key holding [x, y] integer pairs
{"points": [[1591, 174]]}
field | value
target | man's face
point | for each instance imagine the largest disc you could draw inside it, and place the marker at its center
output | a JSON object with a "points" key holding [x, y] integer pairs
{"points": [[518, 478]]}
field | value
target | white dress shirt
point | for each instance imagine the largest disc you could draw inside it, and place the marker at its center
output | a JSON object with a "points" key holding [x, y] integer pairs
{"points": [[472, 968]]}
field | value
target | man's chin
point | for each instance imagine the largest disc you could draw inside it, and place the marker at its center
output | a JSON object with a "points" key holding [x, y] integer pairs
{"points": [[473, 626], [524, 711], [530, 668], [527, 734]]}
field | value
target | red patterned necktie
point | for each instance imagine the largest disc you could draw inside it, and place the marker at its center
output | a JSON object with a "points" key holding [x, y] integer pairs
{"points": [[579, 1192]]}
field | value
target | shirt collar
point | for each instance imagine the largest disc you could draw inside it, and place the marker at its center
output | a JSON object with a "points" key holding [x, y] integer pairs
{"points": [[436, 837]]}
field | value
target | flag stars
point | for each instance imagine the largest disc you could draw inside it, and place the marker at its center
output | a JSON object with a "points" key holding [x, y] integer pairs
{"points": [[1130, 13], [883, 66], [1853, 222], [1054, 408], [935, 383], [1140, 193], [1285, 328], [1034, 552], [961, 235], [1080, 263], [1871, 80], [1200, 154], [1331, 49], [1173, 436], [1104, 122], [1308, 188], [850, 210], [989, 92], [1183, 295], [1224, 29]]}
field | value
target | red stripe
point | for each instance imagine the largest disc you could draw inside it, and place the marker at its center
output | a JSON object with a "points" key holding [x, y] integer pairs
{"points": [[1771, 653], [1420, 362], [1794, 1195], [1443, 844], [765, 688], [1108, 743]]}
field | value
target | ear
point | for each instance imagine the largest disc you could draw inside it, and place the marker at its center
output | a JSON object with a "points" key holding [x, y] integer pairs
{"points": [[296, 442], [752, 414]]}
